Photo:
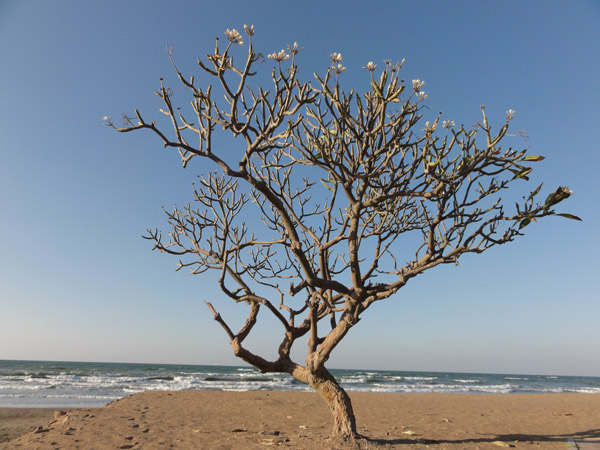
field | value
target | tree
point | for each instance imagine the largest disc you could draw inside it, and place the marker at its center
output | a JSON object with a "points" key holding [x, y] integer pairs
{"points": [[344, 183]]}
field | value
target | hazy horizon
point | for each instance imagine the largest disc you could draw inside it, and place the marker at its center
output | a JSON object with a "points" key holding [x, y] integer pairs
{"points": [[243, 364]]}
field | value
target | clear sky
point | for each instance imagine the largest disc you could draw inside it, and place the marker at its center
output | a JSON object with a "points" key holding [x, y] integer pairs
{"points": [[77, 282]]}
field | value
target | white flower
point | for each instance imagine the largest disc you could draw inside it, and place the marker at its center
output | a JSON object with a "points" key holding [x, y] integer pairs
{"points": [[510, 114], [370, 67], [336, 57], [422, 96], [294, 49], [430, 128], [281, 56], [249, 30], [417, 84], [339, 69], [234, 37], [448, 124]]}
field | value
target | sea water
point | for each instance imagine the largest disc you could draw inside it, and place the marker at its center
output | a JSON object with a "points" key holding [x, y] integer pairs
{"points": [[89, 384]]}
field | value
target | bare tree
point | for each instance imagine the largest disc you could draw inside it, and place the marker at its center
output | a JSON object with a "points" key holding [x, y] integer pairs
{"points": [[344, 183]]}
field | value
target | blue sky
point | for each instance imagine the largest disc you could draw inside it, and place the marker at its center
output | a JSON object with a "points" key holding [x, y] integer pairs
{"points": [[77, 282]]}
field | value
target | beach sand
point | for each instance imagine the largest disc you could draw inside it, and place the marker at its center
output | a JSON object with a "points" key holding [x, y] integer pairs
{"points": [[216, 420], [17, 421]]}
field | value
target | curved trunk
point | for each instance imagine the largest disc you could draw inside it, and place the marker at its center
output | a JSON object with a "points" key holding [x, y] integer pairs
{"points": [[344, 423]]}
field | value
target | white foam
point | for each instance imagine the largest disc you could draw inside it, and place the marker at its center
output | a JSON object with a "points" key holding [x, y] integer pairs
{"points": [[353, 379], [413, 378], [97, 386]]}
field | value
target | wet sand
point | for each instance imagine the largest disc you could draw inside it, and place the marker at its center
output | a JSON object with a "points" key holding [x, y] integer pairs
{"points": [[255, 420]]}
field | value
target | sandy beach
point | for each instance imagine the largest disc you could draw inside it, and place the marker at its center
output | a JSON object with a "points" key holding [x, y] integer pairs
{"points": [[260, 419]]}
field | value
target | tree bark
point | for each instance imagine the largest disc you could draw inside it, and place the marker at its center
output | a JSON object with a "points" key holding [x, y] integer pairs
{"points": [[344, 422]]}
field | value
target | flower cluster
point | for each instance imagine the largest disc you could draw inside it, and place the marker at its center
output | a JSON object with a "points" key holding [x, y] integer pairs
{"points": [[234, 37], [294, 49], [281, 56], [430, 128], [370, 67], [249, 30], [448, 124], [510, 114], [417, 84], [338, 69], [336, 58], [422, 96]]}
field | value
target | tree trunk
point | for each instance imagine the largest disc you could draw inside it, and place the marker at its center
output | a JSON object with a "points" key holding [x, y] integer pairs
{"points": [[344, 423]]}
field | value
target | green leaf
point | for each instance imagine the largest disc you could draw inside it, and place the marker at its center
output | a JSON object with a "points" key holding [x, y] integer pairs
{"points": [[524, 223], [569, 216], [326, 185], [533, 158], [534, 193], [319, 155], [522, 173]]}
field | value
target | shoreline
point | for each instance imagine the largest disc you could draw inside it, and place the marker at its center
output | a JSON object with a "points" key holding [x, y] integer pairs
{"points": [[75, 383], [255, 419]]}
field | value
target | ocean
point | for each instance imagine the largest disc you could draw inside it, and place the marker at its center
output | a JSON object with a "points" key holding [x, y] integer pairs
{"points": [[88, 384]]}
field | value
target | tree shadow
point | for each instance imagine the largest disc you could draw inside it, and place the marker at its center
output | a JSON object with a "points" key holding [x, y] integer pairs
{"points": [[506, 438]]}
